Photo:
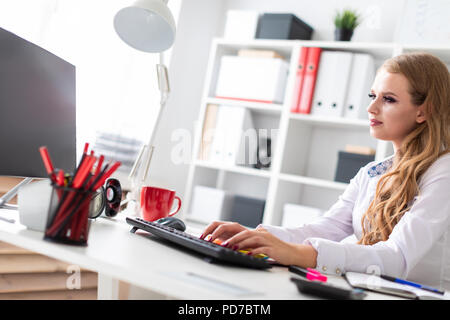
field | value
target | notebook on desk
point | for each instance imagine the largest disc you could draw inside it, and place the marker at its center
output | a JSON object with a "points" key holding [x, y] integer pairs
{"points": [[377, 284]]}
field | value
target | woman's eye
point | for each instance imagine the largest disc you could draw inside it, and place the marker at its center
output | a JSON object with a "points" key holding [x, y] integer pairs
{"points": [[389, 99], [371, 96]]}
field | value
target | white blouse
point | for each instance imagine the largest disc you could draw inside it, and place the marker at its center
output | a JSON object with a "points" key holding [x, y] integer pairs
{"points": [[417, 249]]}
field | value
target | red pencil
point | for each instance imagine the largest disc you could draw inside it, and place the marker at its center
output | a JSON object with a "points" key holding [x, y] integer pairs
{"points": [[47, 163], [107, 175]]}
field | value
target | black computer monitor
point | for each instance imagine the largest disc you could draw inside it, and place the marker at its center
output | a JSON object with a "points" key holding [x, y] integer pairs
{"points": [[37, 108]]}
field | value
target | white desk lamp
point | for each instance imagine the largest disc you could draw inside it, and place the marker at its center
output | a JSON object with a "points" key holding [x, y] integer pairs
{"points": [[148, 25]]}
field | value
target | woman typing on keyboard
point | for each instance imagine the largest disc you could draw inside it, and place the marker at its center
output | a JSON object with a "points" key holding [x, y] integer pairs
{"points": [[398, 208]]}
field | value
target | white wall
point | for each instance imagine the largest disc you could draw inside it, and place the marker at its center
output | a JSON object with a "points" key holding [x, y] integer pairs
{"points": [[201, 20], [380, 17]]}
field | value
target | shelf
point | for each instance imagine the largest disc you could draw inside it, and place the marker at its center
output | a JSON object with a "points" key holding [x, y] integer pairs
{"points": [[309, 143], [313, 181], [309, 43], [235, 169], [330, 121], [267, 108], [378, 50]]}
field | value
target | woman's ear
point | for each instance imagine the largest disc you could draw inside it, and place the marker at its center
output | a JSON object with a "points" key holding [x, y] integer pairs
{"points": [[421, 114]]}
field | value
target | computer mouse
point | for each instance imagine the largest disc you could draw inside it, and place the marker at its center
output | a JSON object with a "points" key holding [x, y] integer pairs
{"points": [[172, 222]]}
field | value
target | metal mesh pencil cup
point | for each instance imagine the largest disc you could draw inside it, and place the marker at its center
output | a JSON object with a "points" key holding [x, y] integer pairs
{"points": [[68, 218]]}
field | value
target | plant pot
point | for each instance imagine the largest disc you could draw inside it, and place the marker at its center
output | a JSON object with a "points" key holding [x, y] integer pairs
{"points": [[343, 34]]}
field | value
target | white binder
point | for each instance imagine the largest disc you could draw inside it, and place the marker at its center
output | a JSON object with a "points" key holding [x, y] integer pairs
{"points": [[361, 79], [217, 152], [241, 140], [234, 141], [332, 83]]}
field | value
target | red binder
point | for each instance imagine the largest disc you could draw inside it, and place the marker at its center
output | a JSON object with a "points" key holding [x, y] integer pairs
{"points": [[299, 78], [309, 80]]}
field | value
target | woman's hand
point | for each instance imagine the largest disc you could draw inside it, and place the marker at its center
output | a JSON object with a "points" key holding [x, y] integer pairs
{"points": [[222, 230], [235, 236], [261, 241]]}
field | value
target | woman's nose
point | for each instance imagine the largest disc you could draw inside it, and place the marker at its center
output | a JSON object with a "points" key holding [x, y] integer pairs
{"points": [[373, 107]]}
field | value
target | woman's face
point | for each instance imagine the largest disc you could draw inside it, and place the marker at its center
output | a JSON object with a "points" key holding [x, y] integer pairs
{"points": [[391, 113]]}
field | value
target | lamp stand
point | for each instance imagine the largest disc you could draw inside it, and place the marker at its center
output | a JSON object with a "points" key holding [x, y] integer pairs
{"points": [[164, 88]]}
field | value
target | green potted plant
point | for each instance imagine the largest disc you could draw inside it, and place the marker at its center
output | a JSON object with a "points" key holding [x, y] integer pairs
{"points": [[345, 22]]}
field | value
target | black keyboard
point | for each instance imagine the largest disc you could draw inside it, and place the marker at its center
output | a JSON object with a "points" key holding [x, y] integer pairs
{"points": [[211, 250]]}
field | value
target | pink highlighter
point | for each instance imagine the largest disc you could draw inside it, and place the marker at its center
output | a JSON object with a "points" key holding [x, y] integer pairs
{"points": [[308, 273]]}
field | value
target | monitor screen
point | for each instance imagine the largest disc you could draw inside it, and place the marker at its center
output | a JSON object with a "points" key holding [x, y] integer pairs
{"points": [[37, 108]]}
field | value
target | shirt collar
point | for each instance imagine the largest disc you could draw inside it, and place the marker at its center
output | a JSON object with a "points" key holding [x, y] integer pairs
{"points": [[380, 168]]}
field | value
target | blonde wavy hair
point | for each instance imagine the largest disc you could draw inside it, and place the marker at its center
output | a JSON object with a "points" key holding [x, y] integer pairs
{"points": [[429, 84]]}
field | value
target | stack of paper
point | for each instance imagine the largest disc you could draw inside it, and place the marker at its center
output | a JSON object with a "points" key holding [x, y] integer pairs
{"points": [[375, 283]]}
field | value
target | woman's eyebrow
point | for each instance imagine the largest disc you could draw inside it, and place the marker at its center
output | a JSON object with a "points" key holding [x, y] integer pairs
{"points": [[390, 93]]}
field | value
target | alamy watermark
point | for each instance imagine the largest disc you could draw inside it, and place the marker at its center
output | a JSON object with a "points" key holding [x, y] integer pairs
{"points": [[374, 281], [239, 147], [73, 281]]}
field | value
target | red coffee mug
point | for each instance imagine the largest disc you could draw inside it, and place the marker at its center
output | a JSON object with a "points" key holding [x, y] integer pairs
{"points": [[157, 202]]}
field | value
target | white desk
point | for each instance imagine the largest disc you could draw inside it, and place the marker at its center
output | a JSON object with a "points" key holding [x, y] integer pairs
{"points": [[116, 254]]}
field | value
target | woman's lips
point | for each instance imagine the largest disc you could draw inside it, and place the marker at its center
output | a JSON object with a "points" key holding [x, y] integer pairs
{"points": [[374, 123]]}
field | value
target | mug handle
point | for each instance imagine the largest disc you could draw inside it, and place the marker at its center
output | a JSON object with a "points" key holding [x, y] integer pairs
{"points": [[179, 206]]}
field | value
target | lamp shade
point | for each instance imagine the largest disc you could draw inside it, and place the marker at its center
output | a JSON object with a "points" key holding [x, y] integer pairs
{"points": [[147, 25]]}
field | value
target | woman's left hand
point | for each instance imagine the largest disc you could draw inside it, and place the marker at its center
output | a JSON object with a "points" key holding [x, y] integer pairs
{"points": [[261, 241]]}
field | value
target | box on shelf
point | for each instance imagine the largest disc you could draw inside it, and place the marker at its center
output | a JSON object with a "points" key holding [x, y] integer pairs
{"points": [[283, 26], [349, 165], [259, 53], [247, 211], [241, 24], [210, 204], [295, 215], [252, 79]]}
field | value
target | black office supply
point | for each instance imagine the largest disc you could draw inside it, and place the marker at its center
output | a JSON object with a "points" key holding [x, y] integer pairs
{"points": [[212, 251], [284, 26], [263, 153], [349, 164], [327, 291], [113, 195], [172, 222], [297, 270]]}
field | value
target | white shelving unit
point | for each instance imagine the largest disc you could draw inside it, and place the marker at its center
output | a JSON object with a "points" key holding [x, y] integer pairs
{"points": [[305, 152]]}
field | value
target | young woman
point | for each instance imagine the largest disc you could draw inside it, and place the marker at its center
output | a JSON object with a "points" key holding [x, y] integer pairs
{"points": [[399, 208]]}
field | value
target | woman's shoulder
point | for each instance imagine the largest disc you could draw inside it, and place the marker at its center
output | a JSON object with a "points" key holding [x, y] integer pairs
{"points": [[443, 162], [439, 169]]}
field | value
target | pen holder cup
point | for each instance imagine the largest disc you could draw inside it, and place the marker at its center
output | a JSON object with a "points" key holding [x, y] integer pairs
{"points": [[68, 218]]}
